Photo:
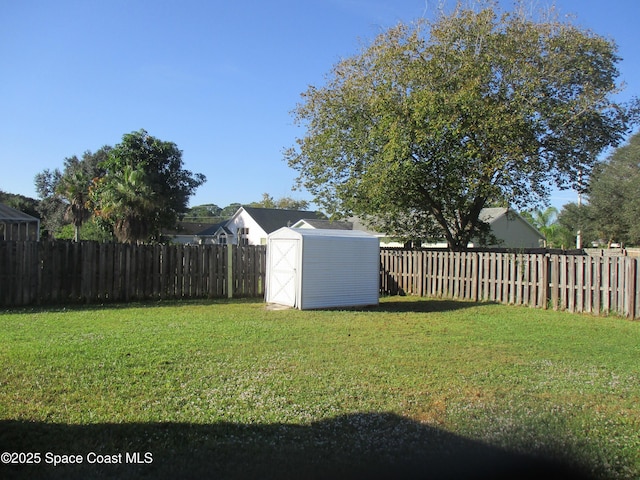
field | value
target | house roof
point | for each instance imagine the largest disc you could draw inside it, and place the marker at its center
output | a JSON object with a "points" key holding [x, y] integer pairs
{"points": [[211, 230], [223, 230], [271, 219], [490, 215], [327, 224], [8, 214], [193, 228]]}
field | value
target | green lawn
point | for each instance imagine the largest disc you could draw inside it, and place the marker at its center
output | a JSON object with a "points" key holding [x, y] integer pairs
{"points": [[232, 389]]}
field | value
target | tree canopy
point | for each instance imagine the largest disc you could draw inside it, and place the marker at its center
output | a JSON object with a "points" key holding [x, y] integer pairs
{"points": [[614, 196], [574, 218], [284, 203], [20, 202], [433, 121], [64, 195], [144, 187], [73, 186]]}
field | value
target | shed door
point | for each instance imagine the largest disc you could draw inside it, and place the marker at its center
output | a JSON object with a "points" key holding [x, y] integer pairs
{"points": [[282, 271]]}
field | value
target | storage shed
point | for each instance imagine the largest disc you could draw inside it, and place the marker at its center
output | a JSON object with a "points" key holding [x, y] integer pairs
{"points": [[322, 268]]}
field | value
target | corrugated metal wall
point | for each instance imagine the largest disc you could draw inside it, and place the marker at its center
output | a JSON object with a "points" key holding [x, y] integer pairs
{"points": [[335, 269], [340, 272]]}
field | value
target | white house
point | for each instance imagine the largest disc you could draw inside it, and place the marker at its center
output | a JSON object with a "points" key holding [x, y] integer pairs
{"points": [[322, 268], [251, 225]]}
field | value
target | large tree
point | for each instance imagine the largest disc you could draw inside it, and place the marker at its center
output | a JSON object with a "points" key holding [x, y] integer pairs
{"points": [[576, 219], [614, 195], [144, 187], [432, 122]]}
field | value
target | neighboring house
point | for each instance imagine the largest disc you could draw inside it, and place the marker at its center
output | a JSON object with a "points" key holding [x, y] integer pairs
{"points": [[191, 233], [509, 228], [17, 225], [385, 239], [251, 226]]}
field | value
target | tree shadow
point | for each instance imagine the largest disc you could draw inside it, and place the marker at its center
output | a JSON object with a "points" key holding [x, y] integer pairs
{"points": [[422, 305], [361, 445]]}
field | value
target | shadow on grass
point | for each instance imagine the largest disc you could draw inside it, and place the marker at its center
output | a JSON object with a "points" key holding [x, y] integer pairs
{"points": [[369, 446], [422, 305], [142, 304]]}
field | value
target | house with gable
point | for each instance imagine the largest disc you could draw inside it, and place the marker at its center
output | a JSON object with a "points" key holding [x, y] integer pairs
{"points": [[511, 230], [252, 225]]}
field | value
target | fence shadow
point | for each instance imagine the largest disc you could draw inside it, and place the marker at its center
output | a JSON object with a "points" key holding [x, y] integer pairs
{"points": [[362, 445], [160, 303]]}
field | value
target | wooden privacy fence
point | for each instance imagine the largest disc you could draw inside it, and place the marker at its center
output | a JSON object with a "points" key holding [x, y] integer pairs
{"points": [[92, 272], [577, 283]]}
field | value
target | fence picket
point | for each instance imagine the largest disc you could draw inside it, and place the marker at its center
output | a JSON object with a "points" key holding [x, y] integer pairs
{"points": [[619, 287], [58, 271], [570, 282]]}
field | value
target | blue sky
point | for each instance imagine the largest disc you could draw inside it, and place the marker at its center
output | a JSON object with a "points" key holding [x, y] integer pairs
{"points": [[218, 78]]}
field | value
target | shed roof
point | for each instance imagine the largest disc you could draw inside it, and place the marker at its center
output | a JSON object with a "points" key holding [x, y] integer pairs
{"points": [[8, 214], [319, 232], [326, 224]]}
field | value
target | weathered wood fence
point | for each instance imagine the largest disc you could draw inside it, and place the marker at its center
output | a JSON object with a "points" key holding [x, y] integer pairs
{"points": [[91, 272], [577, 283]]}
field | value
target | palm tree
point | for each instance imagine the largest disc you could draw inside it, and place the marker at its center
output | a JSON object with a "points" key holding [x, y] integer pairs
{"points": [[74, 189], [546, 223], [126, 202]]}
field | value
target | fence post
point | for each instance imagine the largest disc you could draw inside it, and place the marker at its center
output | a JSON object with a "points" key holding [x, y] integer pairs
{"points": [[545, 296], [636, 312]]}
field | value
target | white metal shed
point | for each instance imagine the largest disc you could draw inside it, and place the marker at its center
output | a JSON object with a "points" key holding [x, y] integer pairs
{"points": [[322, 268]]}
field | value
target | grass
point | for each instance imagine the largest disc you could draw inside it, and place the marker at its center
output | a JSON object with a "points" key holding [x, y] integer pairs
{"points": [[232, 389]]}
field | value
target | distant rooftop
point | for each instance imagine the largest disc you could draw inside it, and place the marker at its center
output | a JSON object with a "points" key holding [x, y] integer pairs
{"points": [[12, 215]]}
